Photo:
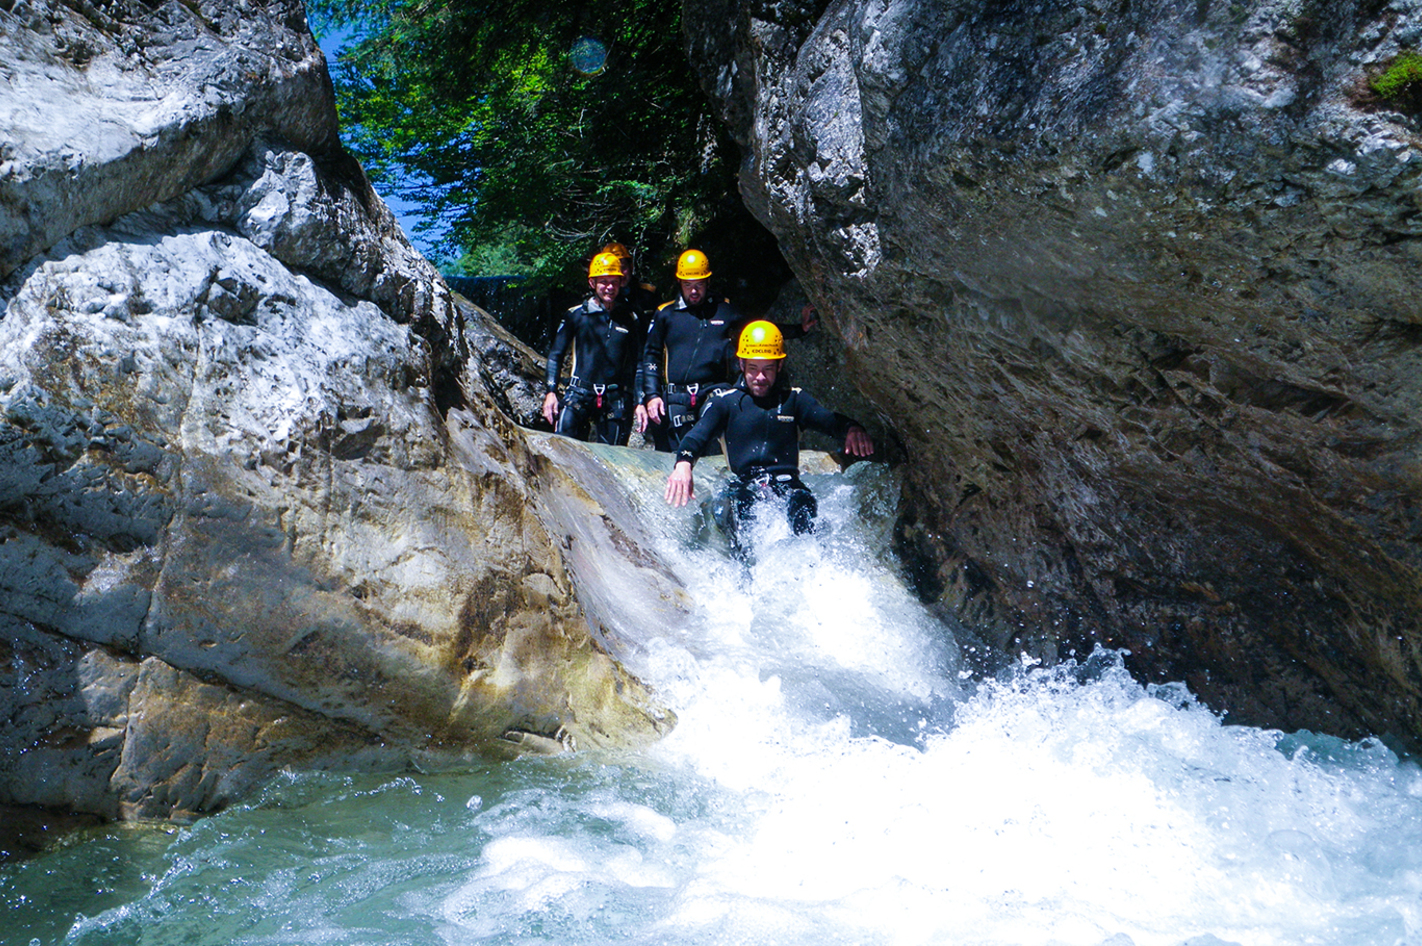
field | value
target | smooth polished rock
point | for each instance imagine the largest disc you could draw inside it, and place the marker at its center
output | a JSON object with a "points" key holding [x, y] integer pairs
{"points": [[220, 465], [264, 505]]}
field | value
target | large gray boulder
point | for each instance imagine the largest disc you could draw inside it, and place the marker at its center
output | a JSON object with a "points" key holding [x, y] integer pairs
{"points": [[1137, 287], [262, 503]]}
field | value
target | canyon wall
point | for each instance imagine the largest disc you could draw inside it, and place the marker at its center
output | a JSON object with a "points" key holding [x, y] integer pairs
{"points": [[1136, 286]]}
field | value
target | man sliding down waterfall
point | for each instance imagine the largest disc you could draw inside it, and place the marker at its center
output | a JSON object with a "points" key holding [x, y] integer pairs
{"points": [[689, 353], [760, 419]]}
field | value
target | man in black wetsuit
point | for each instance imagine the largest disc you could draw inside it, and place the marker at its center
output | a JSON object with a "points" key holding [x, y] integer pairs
{"points": [[690, 353], [760, 419], [605, 336]]}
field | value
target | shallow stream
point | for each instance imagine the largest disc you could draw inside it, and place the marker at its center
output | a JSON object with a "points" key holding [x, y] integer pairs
{"points": [[835, 779]]}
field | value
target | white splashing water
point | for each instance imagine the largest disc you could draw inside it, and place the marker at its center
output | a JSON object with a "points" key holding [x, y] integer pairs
{"points": [[828, 783]]}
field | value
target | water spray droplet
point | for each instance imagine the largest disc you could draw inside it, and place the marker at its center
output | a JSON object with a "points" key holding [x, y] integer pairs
{"points": [[588, 56]]}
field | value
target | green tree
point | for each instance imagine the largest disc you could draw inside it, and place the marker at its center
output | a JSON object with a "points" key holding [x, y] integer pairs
{"points": [[531, 149]]}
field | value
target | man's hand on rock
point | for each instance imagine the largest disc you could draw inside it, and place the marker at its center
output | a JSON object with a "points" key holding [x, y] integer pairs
{"points": [[680, 489], [809, 318], [857, 442]]}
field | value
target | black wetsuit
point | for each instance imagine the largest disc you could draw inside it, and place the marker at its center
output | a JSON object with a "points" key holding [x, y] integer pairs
{"points": [[762, 439], [642, 297], [606, 370], [691, 354]]}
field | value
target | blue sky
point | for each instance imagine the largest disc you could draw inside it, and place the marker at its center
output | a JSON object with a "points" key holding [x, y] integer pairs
{"points": [[409, 214]]}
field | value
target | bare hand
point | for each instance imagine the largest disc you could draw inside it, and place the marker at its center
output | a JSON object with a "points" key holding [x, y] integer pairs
{"points": [[680, 489], [656, 410], [809, 318], [550, 408], [639, 419], [857, 442]]}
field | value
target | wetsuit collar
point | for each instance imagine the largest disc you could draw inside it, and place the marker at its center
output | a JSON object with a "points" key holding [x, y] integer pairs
{"points": [[702, 310]]}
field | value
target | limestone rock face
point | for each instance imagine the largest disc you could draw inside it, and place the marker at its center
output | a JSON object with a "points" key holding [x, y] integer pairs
{"points": [[1137, 287], [110, 108], [261, 504]]}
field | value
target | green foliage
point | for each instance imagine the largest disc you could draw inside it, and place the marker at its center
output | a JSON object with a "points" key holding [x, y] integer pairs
{"points": [[500, 259], [477, 113], [1401, 80]]}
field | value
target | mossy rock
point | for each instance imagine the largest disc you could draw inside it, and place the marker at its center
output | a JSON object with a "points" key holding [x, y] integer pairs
{"points": [[1400, 82]]}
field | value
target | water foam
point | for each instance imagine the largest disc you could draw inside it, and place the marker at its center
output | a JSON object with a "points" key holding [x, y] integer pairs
{"points": [[829, 783]]}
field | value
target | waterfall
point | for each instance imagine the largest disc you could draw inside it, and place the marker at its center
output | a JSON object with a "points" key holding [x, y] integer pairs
{"points": [[836, 778]]}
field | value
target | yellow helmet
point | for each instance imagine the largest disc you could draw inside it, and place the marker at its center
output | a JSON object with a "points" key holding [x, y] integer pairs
{"points": [[693, 264], [605, 264], [618, 250], [761, 341]]}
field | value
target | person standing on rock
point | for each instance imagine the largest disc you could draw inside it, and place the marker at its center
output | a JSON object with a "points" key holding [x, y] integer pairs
{"points": [[642, 296], [690, 352], [760, 419], [605, 337]]}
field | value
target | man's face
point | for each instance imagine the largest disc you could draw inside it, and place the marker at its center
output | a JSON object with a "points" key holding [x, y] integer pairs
{"points": [[606, 289], [694, 290], [760, 374]]}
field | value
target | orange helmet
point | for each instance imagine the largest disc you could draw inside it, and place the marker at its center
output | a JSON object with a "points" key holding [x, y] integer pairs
{"points": [[618, 250]]}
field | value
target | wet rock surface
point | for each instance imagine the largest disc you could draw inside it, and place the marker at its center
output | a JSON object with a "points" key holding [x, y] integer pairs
{"points": [[262, 504], [1136, 286]]}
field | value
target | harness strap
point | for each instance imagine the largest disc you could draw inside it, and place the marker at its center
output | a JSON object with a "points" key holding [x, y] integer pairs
{"points": [[597, 390], [694, 390], [765, 478]]}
